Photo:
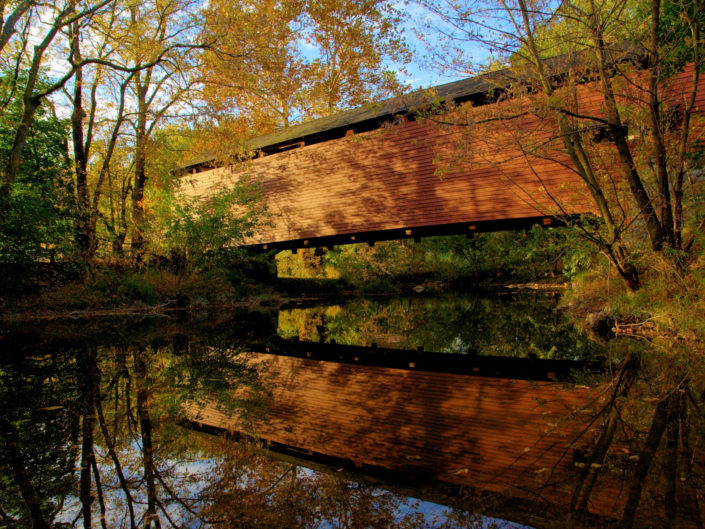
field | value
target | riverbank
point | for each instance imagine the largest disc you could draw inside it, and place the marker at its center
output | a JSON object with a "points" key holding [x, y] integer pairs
{"points": [[537, 259], [153, 293], [668, 309]]}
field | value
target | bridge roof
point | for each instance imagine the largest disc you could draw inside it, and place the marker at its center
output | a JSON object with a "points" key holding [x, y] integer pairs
{"points": [[370, 114], [374, 115], [402, 104]]}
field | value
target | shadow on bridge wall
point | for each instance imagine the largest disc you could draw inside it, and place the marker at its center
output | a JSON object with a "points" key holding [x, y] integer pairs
{"points": [[387, 179]]}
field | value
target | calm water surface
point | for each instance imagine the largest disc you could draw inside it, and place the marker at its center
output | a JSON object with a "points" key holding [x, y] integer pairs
{"points": [[447, 411]]}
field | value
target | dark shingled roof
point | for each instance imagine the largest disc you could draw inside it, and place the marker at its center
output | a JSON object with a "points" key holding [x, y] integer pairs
{"points": [[373, 112], [455, 91], [373, 115]]}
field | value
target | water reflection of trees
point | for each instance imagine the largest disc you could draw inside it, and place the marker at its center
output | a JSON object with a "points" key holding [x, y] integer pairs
{"points": [[40, 407], [514, 325], [102, 411], [252, 490], [649, 452], [90, 436]]}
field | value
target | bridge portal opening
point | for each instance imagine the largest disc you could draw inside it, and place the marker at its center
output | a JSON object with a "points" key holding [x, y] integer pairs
{"points": [[544, 250]]}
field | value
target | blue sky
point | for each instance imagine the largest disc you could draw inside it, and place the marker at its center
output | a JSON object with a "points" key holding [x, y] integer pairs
{"points": [[421, 74]]}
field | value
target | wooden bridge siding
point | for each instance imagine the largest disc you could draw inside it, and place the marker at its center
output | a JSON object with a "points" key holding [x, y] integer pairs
{"points": [[676, 91], [386, 179], [499, 435]]}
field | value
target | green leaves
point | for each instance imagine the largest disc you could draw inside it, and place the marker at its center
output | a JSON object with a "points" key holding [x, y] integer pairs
{"points": [[36, 220], [200, 228]]}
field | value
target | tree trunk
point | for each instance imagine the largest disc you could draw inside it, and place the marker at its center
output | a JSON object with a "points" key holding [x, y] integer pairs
{"points": [[29, 497], [691, 489], [110, 445], [151, 517], [658, 147], [671, 497], [619, 134], [626, 270], [82, 227], [31, 103], [15, 157], [138, 218], [658, 426], [583, 489], [571, 140], [89, 374]]}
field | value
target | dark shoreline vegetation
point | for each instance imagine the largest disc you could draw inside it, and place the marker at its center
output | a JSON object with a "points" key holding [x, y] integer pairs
{"points": [[534, 259], [542, 259]]}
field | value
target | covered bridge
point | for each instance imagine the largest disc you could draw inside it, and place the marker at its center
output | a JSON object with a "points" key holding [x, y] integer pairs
{"points": [[372, 173]]}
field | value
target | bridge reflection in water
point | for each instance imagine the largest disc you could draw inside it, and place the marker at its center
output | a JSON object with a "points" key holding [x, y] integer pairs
{"points": [[514, 438]]}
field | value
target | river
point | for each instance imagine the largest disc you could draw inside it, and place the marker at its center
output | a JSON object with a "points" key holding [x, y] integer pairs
{"points": [[459, 410]]}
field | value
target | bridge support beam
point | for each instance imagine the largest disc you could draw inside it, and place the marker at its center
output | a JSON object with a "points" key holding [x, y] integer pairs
{"points": [[415, 232]]}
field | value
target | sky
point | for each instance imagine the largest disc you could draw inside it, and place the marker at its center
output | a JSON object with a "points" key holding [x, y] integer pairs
{"points": [[421, 74]]}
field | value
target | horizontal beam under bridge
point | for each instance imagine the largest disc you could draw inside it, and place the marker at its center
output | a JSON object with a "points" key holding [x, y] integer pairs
{"points": [[415, 232], [470, 363]]}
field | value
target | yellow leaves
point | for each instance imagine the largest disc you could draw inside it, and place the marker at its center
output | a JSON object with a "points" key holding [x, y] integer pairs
{"points": [[555, 101], [313, 57]]}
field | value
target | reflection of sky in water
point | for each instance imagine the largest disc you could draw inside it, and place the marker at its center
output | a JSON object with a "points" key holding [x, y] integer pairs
{"points": [[189, 477], [191, 473], [434, 514]]}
